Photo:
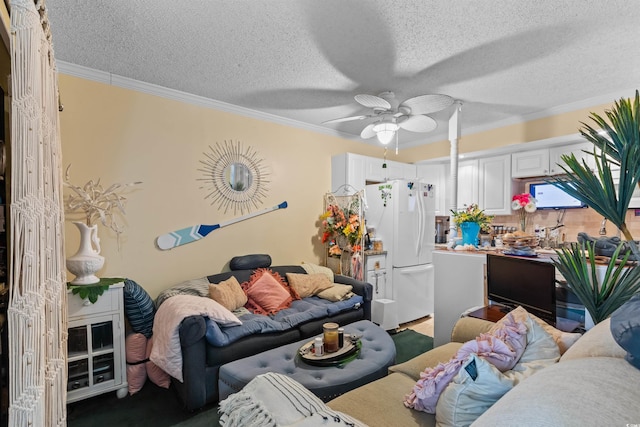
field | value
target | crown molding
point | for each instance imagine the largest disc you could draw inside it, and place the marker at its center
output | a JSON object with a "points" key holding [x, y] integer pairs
{"points": [[188, 98], [549, 112], [152, 89]]}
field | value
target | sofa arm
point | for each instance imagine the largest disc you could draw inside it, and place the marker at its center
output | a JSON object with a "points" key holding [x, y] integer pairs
{"points": [[192, 390], [468, 328], [364, 289]]}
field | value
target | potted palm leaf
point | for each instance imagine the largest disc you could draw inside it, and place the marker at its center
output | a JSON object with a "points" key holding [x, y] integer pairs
{"points": [[616, 141]]}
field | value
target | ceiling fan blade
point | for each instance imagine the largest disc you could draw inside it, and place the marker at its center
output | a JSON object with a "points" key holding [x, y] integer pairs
{"points": [[418, 123], [368, 132], [346, 119], [427, 104], [372, 101]]}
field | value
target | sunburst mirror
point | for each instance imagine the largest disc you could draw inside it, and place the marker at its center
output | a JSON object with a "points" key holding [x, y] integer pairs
{"points": [[234, 178]]}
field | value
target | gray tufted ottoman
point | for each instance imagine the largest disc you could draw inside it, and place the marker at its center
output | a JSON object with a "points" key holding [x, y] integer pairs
{"points": [[378, 352]]}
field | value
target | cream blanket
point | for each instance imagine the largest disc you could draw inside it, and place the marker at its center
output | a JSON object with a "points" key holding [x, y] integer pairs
{"points": [[166, 351], [275, 400]]}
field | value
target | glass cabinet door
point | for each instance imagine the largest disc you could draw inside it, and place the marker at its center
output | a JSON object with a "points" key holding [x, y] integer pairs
{"points": [[91, 353]]}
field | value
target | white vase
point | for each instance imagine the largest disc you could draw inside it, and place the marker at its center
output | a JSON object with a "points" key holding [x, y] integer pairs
{"points": [[87, 261]]}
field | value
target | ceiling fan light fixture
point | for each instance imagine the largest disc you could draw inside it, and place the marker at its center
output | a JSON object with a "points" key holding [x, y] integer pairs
{"points": [[385, 131]]}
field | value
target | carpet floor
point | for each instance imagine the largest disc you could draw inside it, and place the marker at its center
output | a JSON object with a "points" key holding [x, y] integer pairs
{"points": [[158, 407]]}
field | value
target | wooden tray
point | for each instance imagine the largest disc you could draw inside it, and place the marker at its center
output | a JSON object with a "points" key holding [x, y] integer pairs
{"points": [[351, 346]]}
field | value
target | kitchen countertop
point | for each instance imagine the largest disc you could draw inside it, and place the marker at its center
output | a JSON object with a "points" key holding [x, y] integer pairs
{"points": [[543, 254], [372, 252]]}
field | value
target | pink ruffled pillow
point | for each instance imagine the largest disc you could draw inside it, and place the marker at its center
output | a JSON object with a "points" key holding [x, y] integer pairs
{"points": [[503, 347]]}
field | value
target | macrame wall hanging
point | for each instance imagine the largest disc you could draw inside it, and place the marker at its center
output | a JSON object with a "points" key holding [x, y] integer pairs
{"points": [[37, 312]]}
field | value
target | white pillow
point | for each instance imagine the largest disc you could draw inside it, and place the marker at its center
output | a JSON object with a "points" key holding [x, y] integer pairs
{"points": [[465, 399], [473, 390]]}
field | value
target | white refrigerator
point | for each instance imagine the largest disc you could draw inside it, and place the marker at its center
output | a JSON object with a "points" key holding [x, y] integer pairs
{"points": [[403, 215]]}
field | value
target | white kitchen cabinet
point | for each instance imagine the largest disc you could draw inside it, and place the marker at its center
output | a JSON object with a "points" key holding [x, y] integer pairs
{"points": [[578, 150], [356, 171], [376, 274], [494, 182], [96, 360], [435, 174], [375, 172], [530, 163], [544, 161], [348, 169], [467, 183], [634, 203]]}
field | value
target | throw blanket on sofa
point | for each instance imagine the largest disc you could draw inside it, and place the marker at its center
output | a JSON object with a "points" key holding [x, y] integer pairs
{"points": [[166, 351], [301, 311]]}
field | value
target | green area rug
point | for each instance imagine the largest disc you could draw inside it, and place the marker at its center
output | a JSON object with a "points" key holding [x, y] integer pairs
{"points": [[410, 343], [158, 407]]}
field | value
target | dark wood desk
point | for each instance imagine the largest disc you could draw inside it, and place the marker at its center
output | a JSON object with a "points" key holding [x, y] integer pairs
{"points": [[494, 312]]}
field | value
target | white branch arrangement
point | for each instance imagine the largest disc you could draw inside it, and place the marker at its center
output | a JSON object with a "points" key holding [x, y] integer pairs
{"points": [[97, 203]]}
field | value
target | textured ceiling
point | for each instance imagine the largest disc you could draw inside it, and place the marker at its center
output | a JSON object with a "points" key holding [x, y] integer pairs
{"points": [[304, 60]]}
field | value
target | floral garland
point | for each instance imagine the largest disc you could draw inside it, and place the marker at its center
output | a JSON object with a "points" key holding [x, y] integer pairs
{"points": [[338, 222]]}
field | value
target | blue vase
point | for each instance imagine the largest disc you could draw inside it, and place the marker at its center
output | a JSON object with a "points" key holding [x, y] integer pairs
{"points": [[470, 232]]}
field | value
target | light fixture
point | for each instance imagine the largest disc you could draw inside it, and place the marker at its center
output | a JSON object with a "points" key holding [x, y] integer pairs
{"points": [[385, 131]]}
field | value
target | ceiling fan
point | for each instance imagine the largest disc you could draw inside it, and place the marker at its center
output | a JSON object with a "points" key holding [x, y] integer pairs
{"points": [[410, 114]]}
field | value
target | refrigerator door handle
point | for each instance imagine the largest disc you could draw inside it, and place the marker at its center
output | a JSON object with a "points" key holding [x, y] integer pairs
{"points": [[421, 218]]}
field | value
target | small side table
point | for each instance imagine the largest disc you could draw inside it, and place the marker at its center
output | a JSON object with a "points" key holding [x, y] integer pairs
{"points": [[96, 352]]}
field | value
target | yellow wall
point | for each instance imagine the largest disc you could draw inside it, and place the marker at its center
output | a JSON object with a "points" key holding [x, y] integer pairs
{"points": [[534, 130], [120, 135]]}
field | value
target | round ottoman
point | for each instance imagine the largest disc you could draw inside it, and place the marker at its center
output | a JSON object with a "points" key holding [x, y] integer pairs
{"points": [[378, 352]]}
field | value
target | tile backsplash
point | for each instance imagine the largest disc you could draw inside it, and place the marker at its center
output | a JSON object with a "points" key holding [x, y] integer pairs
{"points": [[575, 221]]}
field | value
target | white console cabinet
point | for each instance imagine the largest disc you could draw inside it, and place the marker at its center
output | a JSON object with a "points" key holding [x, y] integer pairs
{"points": [[96, 360]]}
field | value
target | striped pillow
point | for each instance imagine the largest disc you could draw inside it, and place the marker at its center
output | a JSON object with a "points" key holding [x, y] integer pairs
{"points": [[139, 308]]}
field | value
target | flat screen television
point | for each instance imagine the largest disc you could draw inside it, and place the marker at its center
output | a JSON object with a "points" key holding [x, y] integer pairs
{"points": [[549, 196], [513, 281]]}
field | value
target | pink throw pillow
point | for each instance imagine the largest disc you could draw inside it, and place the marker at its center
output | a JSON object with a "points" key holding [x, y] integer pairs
{"points": [[267, 292], [156, 375], [135, 349]]}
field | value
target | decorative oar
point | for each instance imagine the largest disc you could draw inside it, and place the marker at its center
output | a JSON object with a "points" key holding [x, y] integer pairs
{"points": [[197, 232]]}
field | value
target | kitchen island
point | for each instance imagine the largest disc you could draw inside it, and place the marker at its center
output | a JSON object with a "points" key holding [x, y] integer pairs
{"points": [[460, 286]]}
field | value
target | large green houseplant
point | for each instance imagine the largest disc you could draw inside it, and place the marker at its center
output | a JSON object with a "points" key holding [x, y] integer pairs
{"points": [[616, 141]]}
